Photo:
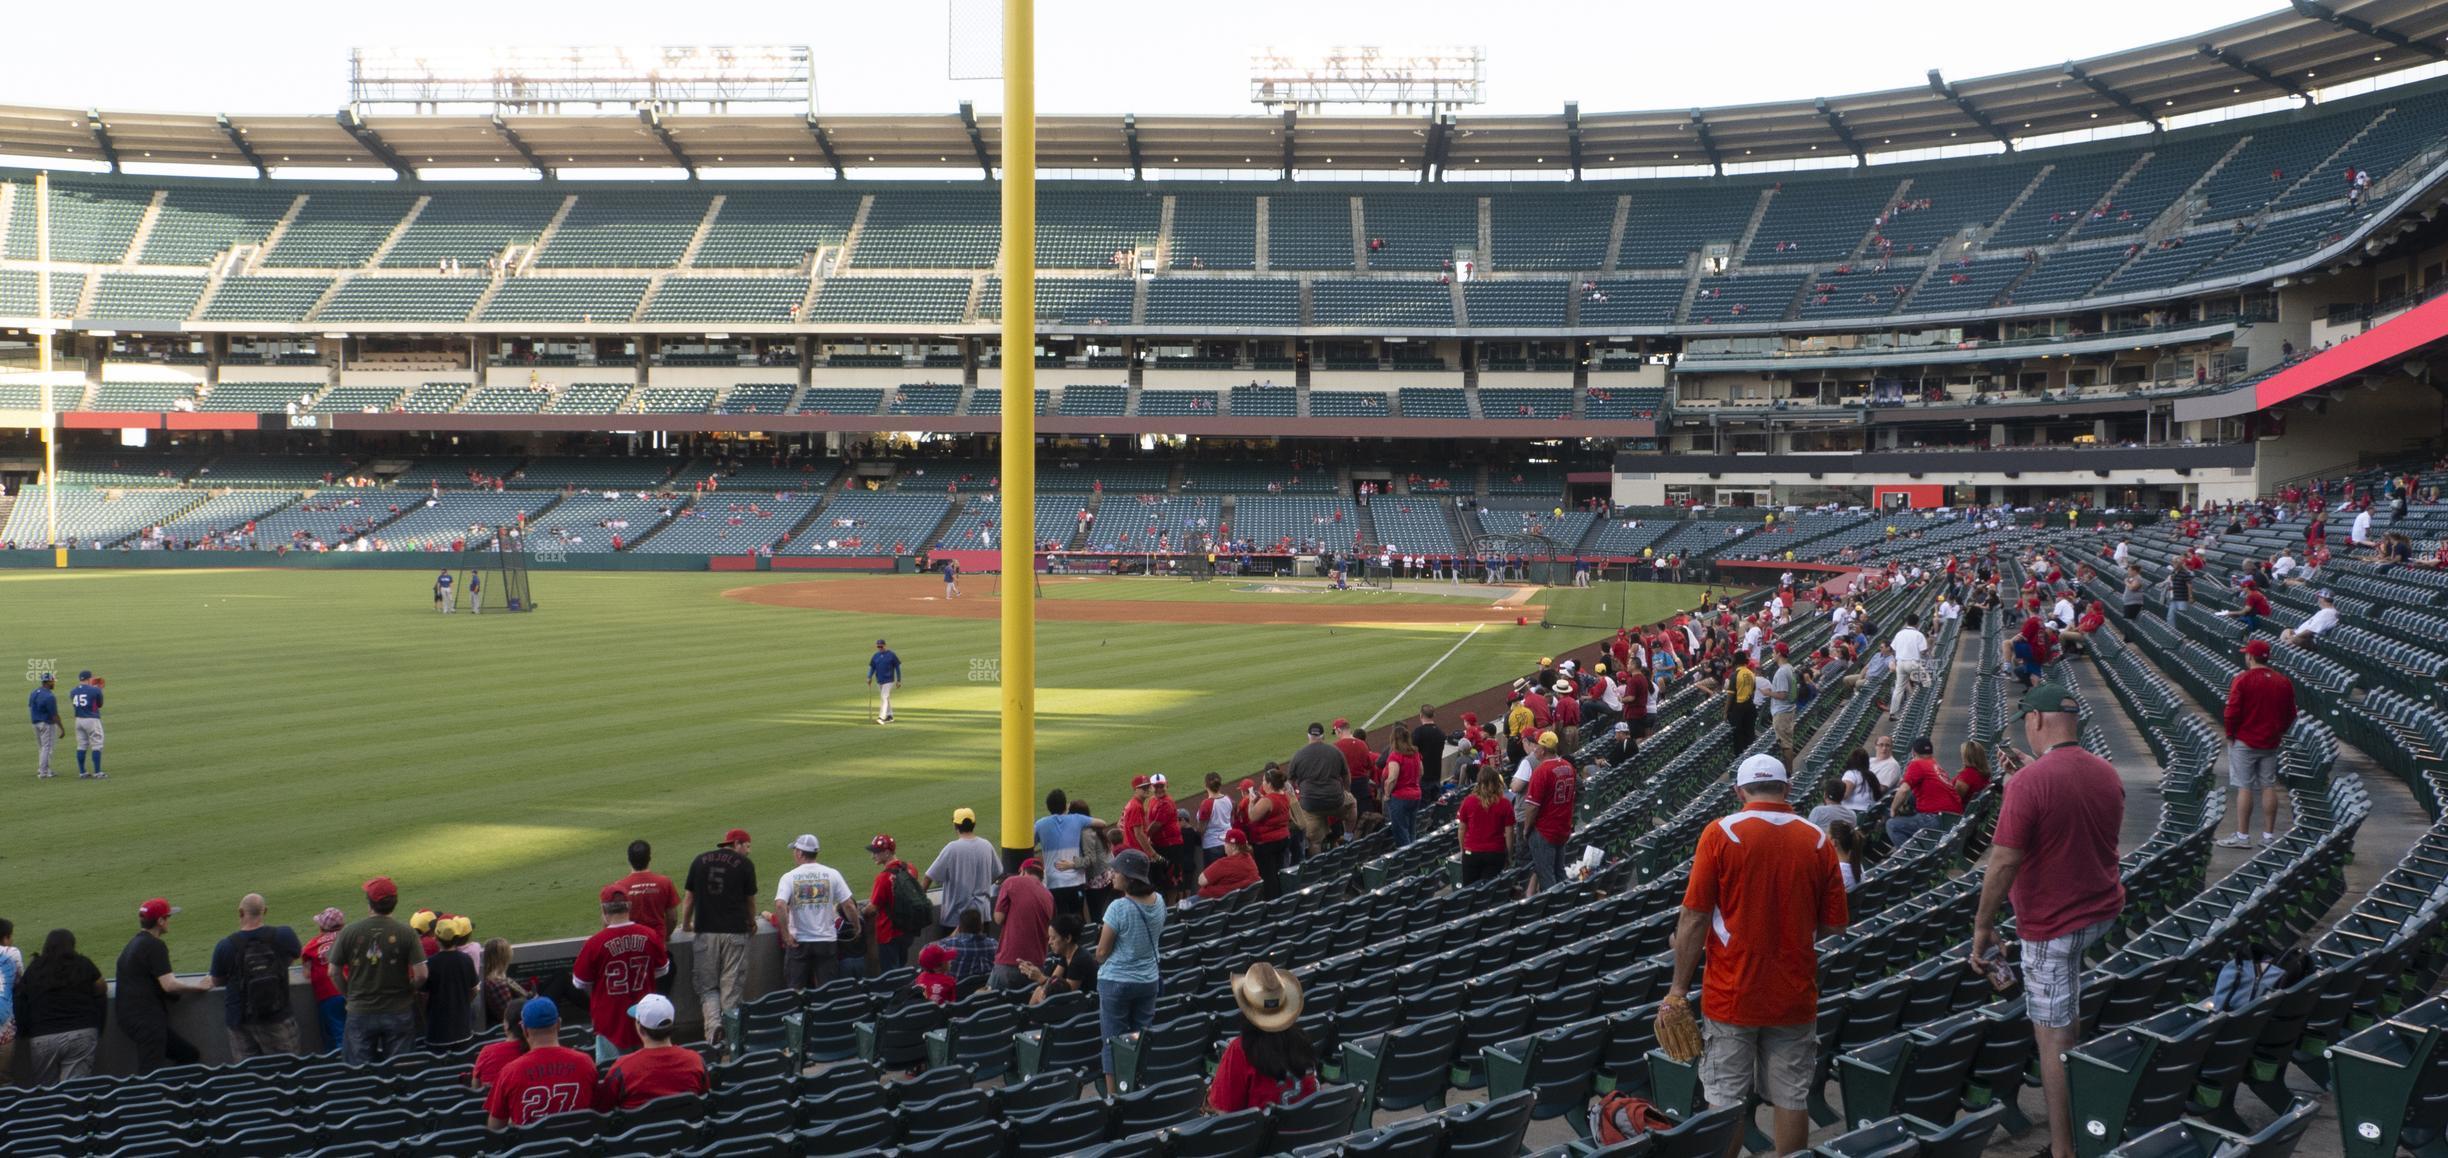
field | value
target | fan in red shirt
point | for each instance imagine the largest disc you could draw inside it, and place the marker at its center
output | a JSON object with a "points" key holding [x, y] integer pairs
{"points": [[651, 895], [1135, 818], [658, 1069], [614, 968], [892, 941], [1485, 818], [935, 981], [1271, 1062], [1233, 871], [491, 1060], [550, 1078]]}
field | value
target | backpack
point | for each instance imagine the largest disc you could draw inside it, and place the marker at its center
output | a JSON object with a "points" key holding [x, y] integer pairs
{"points": [[1620, 1117], [911, 910], [262, 981]]}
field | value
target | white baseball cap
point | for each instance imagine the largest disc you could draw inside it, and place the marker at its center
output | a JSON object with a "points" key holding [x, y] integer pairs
{"points": [[1760, 769], [653, 1011], [806, 842]]}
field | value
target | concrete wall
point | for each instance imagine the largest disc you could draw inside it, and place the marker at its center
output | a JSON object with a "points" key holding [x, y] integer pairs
{"points": [[711, 376], [991, 378], [1220, 381], [151, 372], [242, 372], [553, 377], [2357, 421]]}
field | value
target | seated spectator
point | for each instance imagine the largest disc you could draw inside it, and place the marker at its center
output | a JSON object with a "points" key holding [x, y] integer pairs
{"points": [[550, 1078], [1850, 851], [935, 981], [1070, 966], [1931, 794], [1272, 1061], [972, 950], [2303, 634], [658, 1068], [1831, 811], [1233, 871], [493, 1057]]}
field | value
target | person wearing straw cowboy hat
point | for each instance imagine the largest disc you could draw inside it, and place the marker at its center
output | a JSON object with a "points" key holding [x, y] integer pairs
{"points": [[1272, 1061]]}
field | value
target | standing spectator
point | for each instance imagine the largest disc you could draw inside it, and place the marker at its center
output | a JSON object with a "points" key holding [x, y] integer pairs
{"points": [[380, 962], [550, 1078], [898, 915], [652, 896], [2135, 591], [43, 706], [145, 988], [1547, 810], [720, 913], [251, 968], [1784, 700], [1126, 955], [1271, 1062], [452, 979], [614, 968], [2055, 855], [331, 1007], [812, 902], [1135, 817], [1097, 849], [1164, 832], [658, 1069], [1429, 740], [1909, 647], [1023, 909], [1486, 828], [1403, 764], [1765, 887], [1321, 782], [502, 995], [1741, 713], [1214, 819], [12, 973], [1270, 825], [965, 871], [972, 950], [2260, 709], [2179, 586], [60, 1006], [1058, 845]]}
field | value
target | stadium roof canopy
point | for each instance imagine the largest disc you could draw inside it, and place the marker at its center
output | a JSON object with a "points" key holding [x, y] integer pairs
{"points": [[2317, 44]]}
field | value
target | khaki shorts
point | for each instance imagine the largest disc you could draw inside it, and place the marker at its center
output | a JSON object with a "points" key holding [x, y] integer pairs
{"points": [[89, 734], [1313, 825], [1774, 1061], [2250, 768]]}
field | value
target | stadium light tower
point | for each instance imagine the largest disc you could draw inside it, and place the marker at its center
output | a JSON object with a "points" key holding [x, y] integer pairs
{"points": [[514, 81], [1431, 80]]}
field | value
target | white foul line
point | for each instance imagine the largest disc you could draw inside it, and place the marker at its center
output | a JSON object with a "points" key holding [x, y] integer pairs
{"points": [[1415, 682]]}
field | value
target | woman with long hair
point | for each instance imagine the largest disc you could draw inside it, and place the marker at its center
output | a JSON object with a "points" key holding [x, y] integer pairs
{"points": [[1097, 848], [1849, 845], [502, 996], [1402, 787], [61, 1004], [1272, 1062], [1486, 824], [1126, 954], [1862, 789]]}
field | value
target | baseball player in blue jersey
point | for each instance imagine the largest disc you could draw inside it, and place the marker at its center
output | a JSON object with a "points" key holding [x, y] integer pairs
{"points": [[442, 592], [85, 700], [476, 592], [884, 674], [44, 707]]}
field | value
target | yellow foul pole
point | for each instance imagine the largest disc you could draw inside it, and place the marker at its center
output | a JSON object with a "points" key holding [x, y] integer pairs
{"points": [[42, 365], [1018, 670]]}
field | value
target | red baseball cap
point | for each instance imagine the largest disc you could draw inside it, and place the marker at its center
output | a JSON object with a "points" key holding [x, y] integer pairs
{"points": [[1784, 648], [1340, 722], [1246, 785], [1031, 865], [379, 888], [2257, 648], [1138, 782], [883, 842], [155, 909], [934, 956], [1236, 835], [736, 836], [613, 893]]}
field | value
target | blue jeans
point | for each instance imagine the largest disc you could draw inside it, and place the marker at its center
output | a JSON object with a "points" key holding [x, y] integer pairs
{"points": [[1402, 817], [894, 954], [334, 1010], [1901, 828], [2174, 606], [1123, 1007], [373, 1037]]}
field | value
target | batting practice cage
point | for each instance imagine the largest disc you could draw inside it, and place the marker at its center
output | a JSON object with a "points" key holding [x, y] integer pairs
{"points": [[501, 565]]}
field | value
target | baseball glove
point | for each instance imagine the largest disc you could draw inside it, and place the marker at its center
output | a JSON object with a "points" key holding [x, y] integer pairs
{"points": [[1677, 1033]]}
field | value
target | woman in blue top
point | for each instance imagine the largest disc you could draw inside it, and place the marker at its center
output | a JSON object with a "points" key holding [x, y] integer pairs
{"points": [[1126, 955]]}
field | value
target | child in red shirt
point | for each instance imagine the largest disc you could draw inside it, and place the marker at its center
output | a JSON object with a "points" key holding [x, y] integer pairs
{"points": [[935, 981]]}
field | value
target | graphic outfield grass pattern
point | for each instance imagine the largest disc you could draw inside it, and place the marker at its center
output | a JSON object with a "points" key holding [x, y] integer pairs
{"points": [[296, 732]]}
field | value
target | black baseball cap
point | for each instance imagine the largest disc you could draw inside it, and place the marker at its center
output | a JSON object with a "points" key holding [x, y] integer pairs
{"points": [[1317, 729]]}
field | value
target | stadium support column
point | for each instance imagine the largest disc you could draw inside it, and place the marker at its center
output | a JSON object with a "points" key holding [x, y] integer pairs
{"points": [[42, 365], [1019, 500]]}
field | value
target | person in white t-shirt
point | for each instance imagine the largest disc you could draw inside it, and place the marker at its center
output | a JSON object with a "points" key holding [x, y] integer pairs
{"points": [[1910, 647], [1883, 763], [2361, 536], [2063, 613], [809, 901], [2282, 566], [2314, 624]]}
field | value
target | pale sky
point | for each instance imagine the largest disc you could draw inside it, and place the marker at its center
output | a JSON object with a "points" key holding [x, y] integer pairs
{"points": [[1100, 56]]}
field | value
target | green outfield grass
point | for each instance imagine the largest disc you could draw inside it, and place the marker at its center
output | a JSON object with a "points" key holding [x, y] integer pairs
{"points": [[295, 732]]}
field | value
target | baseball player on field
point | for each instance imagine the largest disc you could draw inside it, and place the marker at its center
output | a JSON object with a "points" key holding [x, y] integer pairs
{"points": [[85, 700], [442, 591], [44, 707], [476, 592], [884, 672]]}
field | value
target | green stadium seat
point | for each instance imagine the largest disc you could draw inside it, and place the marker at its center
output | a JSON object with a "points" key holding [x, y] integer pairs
{"points": [[763, 229], [625, 229], [403, 299], [469, 227], [583, 300], [727, 299], [146, 297]]}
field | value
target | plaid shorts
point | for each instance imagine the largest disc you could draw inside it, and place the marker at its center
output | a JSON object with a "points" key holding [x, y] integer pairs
{"points": [[2052, 975]]}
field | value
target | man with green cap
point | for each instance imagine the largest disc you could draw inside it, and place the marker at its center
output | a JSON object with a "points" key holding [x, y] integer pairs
{"points": [[2055, 857]]}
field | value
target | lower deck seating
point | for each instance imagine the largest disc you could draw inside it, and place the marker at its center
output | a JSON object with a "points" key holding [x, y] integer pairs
{"points": [[1349, 404], [872, 523]]}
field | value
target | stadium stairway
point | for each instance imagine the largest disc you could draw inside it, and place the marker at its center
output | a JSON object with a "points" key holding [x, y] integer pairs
{"points": [[951, 515]]}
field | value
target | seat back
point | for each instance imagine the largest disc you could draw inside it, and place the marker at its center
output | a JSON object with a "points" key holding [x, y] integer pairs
{"points": [[1704, 1135], [1059, 1129], [1233, 1135], [1491, 1129], [1325, 1114], [852, 1135]]}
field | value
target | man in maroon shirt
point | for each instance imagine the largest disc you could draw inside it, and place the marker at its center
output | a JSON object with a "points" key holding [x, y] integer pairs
{"points": [[2055, 855], [2260, 709], [550, 1078], [657, 1069], [1023, 911], [651, 894]]}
